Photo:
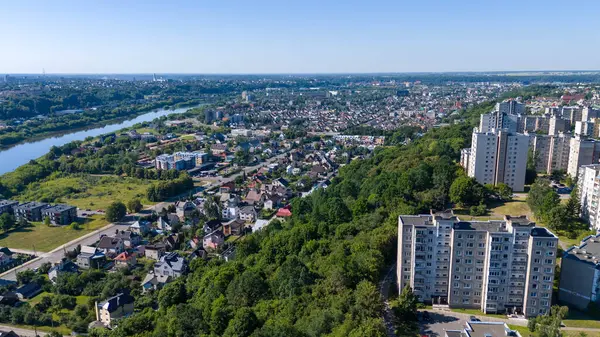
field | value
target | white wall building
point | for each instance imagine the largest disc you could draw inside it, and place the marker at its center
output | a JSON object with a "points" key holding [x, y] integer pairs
{"points": [[582, 152], [551, 152], [588, 185], [499, 157]]}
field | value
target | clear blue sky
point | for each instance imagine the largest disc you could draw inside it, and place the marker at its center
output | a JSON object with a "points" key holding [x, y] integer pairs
{"points": [[309, 36]]}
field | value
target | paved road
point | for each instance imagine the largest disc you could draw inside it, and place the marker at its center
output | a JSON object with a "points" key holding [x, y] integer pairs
{"points": [[384, 288], [57, 254], [22, 332]]}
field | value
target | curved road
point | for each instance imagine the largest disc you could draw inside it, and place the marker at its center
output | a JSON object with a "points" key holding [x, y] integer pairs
{"points": [[384, 288]]}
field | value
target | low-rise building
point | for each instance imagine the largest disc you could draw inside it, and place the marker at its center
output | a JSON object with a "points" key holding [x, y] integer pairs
{"points": [[171, 264], [248, 214], [213, 240], [90, 257], [111, 246], [114, 309], [483, 329], [125, 260], [30, 211], [8, 206], [154, 251], [60, 215], [64, 266]]}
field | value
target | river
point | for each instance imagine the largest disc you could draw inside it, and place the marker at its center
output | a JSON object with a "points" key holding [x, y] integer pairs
{"points": [[20, 154]]}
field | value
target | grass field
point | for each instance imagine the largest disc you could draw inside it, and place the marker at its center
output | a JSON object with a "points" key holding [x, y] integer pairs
{"points": [[525, 332], [517, 206], [43, 238], [86, 191]]}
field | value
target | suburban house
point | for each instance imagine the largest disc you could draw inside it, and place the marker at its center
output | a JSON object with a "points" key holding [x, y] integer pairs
{"points": [[125, 260], [60, 215], [172, 242], [64, 266], [9, 298], [234, 227], [217, 149], [211, 226], [227, 187], [8, 206], [155, 282], [5, 259], [28, 291], [272, 202], [213, 240], [30, 211], [254, 197], [195, 242], [166, 223], [248, 213], [184, 209], [171, 264], [129, 238], [114, 308], [140, 227], [154, 251], [90, 257], [111, 245], [8, 334], [283, 213]]}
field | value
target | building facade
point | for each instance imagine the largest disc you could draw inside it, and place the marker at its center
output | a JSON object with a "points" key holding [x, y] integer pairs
{"points": [[498, 157], [580, 274], [493, 266], [551, 152], [588, 187], [582, 152]]}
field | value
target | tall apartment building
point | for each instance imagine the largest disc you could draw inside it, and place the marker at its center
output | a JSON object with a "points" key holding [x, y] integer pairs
{"points": [[582, 152], [534, 123], [498, 157], [496, 120], [551, 152], [580, 274], [494, 266], [465, 156], [557, 124], [588, 114], [572, 113], [584, 129], [588, 186], [511, 107]]}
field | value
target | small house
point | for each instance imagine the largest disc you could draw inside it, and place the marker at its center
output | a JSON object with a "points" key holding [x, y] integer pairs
{"points": [[125, 260], [214, 240], [28, 291], [114, 308]]}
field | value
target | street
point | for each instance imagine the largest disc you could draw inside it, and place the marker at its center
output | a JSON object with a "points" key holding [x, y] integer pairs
{"points": [[57, 254], [385, 285], [22, 332]]}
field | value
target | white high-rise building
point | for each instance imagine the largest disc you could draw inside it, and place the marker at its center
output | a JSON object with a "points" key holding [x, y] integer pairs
{"points": [[582, 152], [557, 124], [589, 114], [511, 107], [588, 185], [499, 157], [584, 129], [494, 266], [506, 115]]}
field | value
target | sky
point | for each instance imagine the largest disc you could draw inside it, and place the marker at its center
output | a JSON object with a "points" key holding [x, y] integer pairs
{"points": [[309, 36]]}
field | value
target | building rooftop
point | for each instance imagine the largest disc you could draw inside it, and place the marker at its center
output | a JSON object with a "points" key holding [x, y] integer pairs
{"points": [[31, 205], [416, 220], [489, 329], [59, 208], [587, 251], [8, 202]]}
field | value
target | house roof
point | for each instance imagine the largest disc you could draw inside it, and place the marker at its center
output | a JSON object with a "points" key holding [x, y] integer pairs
{"points": [[29, 289], [115, 302], [284, 212], [124, 256], [109, 242], [173, 260]]}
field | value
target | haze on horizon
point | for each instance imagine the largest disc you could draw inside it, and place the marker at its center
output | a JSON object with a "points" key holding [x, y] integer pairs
{"points": [[230, 37]]}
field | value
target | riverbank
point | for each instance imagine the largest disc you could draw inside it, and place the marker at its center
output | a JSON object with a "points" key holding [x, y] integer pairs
{"points": [[99, 124]]}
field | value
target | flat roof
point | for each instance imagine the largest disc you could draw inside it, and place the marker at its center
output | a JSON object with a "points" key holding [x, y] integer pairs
{"points": [[8, 202], [488, 329], [31, 205], [587, 251], [59, 208]]}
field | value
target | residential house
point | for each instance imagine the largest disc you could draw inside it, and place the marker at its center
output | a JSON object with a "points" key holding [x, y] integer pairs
{"points": [[272, 202], [154, 251], [172, 242], [171, 264], [30, 211], [166, 223], [248, 213], [5, 258], [125, 260], [199, 253], [64, 266], [217, 149], [111, 246], [155, 282], [234, 227], [211, 226], [213, 240], [195, 242], [140, 227], [9, 298], [90, 257], [283, 213], [281, 182], [184, 209], [114, 308], [130, 239], [30, 290], [254, 197], [8, 334], [60, 215], [228, 187]]}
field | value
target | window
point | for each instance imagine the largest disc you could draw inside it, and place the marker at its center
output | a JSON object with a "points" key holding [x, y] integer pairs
{"points": [[548, 261], [533, 294]]}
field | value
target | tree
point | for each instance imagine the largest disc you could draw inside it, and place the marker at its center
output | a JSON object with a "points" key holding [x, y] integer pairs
{"points": [[7, 221], [47, 221], [367, 302], [173, 293], [530, 171], [532, 324], [465, 191], [558, 218], [542, 198], [405, 313], [116, 211], [504, 191], [243, 323], [573, 206], [75, 225], [134, 205]]}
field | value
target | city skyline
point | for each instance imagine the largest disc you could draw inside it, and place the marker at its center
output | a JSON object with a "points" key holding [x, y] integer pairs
{"points": [[311, 37]]}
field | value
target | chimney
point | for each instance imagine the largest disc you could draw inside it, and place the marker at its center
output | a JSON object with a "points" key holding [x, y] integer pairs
{"points": [[97, 312]]}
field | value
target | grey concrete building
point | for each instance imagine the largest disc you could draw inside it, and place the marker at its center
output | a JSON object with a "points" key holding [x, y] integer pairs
{"points": [[494, 266], [580, 274], [30, 211]]}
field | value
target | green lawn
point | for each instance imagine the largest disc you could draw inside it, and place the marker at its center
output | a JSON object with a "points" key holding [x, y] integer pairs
{"points": [[525, 332], [497, 211], [574, 242], [477, 312], [578, 319], [44, 238], [86, 191]]}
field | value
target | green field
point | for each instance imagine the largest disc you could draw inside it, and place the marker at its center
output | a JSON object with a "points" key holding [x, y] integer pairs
{"points": [[43, 238], [525, 332], [497, 211], [86, 191]]}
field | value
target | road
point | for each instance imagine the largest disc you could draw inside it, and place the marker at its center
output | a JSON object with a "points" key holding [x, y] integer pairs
{"points": [[57, 254], [22, 332], [384, 288]]}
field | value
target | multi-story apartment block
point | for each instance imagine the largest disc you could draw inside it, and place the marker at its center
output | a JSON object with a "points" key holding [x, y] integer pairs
{"points": [[534, 123], [494, 266], [584, 129], [588, 186], [498, 157], [582, 152], [496, 120], [8, 206], [60, 215], [30, 211], [465, 156], [580, 274], [511, 107], [557, 124], [551, 152]]}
